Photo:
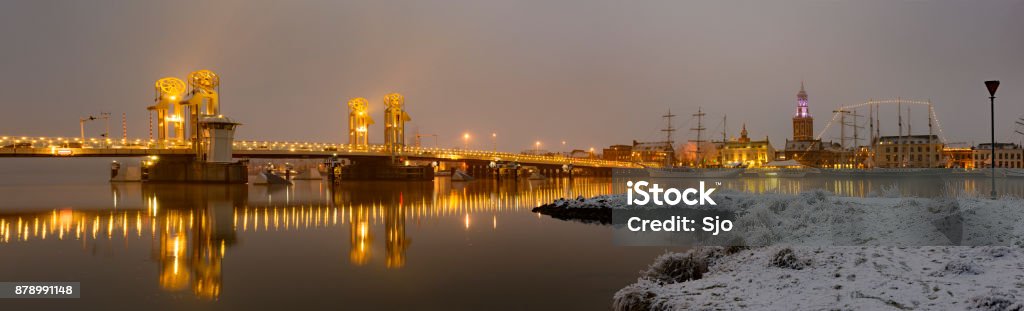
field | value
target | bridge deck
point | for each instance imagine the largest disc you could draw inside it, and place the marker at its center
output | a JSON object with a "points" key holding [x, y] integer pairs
{"points": [[64, 147]]}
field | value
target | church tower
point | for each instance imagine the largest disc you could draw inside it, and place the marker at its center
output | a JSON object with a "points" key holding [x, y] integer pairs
{"points": [[803, 122]]}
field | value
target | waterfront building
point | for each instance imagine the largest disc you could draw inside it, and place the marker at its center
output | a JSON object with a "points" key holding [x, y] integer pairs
{"points": [[803, 122], [804, 148], [958, 157], [1008, 155], [582, 154], [745, 152], [656, 154], [909, 151], [622, 153]]}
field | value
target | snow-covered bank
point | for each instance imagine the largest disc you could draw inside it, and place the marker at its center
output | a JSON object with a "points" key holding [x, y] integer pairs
{"points": [[832, 278], [791, 260]]}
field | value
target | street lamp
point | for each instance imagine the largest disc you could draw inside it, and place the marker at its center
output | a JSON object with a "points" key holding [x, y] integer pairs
{"points": [[992, 86], [465, 140], [536, 148], [494, 141]]}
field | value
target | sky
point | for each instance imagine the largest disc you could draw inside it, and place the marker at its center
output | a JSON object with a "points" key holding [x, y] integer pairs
{"points": [[591, 73]]}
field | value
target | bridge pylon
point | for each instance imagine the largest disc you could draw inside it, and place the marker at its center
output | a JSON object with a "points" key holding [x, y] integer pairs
{"points": [[359, 122], [169, 112], [203, 101], [394, 122]]}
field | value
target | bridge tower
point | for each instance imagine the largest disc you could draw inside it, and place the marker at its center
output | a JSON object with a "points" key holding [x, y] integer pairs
{"points": [[359, 122], [203, 86], [394, 122], [169, 112]]}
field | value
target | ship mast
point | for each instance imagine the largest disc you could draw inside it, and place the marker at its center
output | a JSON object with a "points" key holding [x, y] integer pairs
{"points": [[700, 129], [668, 137]]}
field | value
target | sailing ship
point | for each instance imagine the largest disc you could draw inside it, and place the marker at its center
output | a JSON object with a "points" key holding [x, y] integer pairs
{"points": [[672, 171]]}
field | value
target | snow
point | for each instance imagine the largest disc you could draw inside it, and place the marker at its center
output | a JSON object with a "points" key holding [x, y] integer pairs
{"points": [[601, 201], [819, 251], [848, 277]]}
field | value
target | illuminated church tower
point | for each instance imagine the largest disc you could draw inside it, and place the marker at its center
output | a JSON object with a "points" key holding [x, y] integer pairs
{"points": [[803, 122]]}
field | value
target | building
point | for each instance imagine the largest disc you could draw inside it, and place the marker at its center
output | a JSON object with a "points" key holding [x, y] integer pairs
{"points": [[803, 122], [909, 151], [622, 153], [656, 154], [582, 154], [958, 157], [1008, 155], [804, 148], [745, 152]]}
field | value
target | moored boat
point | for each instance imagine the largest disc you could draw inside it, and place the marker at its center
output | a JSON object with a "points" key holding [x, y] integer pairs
{"points": [[686, 172]]}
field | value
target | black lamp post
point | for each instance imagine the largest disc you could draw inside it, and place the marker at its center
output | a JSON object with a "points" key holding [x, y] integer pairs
{"points": [[992, 86]]}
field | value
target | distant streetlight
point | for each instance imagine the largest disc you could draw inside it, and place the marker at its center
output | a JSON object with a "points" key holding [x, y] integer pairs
{"points": [[536, 147], [992, 86], [494, 141], [465, 141]]}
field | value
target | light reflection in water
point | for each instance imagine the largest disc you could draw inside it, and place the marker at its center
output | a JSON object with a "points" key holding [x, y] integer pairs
{"points": [[192, 227]]}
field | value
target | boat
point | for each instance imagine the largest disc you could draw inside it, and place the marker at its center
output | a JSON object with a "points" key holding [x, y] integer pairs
{"points": [[461, 176], [269, 178], [687, 172], [787, 169]]}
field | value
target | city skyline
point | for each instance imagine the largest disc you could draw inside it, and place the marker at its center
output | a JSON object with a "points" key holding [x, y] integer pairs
{"points": [[562, 74]]}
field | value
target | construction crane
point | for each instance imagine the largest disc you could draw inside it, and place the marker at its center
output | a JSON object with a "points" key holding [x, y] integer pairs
{"points": [[420, 136], [103, 115]]}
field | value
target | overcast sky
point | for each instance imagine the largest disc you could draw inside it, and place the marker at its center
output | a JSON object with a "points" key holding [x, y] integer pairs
{"points": [[590, 72]]}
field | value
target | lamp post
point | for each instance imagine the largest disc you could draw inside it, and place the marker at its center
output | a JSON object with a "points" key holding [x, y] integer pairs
{"points": [[536, 148], [494, 141], [992, 86], [465, 141]]}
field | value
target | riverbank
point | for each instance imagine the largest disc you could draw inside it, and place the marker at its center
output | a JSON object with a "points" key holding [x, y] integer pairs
{"points": [[844, 278], [792, 260]]}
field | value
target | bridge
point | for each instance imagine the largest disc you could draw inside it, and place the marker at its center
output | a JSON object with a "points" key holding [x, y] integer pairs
{"points": [[65, 147], [189, 126]]}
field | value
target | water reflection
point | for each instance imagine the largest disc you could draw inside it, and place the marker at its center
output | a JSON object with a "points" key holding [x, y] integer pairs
{"points": [[193, 227]]}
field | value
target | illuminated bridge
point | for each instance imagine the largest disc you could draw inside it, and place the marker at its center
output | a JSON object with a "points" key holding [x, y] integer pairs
{"points": [[188, 124], [96, 147]]}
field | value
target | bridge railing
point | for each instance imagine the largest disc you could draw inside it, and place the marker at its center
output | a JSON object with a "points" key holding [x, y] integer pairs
{"points": [[74, 145], [89, 143], [434, 152]]}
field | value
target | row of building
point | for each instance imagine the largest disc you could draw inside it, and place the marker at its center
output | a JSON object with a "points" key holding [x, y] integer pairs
{"points": [[884, 151]]}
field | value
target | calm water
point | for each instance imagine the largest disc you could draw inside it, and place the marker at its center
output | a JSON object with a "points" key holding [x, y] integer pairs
{"points": [[437, 245], [434, 245]]}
